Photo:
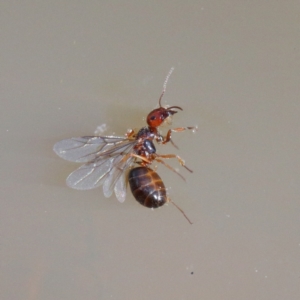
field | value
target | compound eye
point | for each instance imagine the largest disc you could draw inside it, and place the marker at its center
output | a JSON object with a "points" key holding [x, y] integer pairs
{"points": [[154, 119]]}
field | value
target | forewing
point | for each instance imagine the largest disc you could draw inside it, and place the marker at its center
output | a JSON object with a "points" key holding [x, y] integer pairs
{"points": [[89, 148], [94, 173]]}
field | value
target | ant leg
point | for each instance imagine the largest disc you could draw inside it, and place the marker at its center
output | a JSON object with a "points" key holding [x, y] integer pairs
{"points": [[167, 138], [144, 160], [174, 144], [169, 167], [180, 160], [169, 200]]}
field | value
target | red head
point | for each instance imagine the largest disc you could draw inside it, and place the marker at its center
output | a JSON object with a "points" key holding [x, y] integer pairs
{"points": [[157, 116]]}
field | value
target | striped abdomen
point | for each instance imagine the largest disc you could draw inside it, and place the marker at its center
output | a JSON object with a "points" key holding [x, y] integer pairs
{"points": [[147, 187]]}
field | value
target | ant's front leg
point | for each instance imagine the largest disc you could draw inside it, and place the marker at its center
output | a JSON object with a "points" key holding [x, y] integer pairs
{"points": [[167, 138]]}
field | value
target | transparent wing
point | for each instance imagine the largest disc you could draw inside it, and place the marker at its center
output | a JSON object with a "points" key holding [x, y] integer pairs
{"points": [[97, 171], [90, 175], [89, 148], [120, 187], [116, 179]]}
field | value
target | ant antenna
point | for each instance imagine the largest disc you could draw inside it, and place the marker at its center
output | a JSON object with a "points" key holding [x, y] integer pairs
{"points": [[165, 85], [181, 211]]}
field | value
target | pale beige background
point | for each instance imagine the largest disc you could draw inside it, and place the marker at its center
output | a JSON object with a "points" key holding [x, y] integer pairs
{"points": [[69, 66]]}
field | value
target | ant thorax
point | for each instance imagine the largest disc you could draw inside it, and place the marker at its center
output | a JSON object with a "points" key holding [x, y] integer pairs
{"points": [[146, 133]]}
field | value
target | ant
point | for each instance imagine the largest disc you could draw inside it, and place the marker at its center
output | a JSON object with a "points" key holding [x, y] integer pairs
{"points": [[108, 158]]}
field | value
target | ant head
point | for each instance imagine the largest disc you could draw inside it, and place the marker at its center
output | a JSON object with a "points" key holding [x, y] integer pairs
{"points": [[157, 116]]}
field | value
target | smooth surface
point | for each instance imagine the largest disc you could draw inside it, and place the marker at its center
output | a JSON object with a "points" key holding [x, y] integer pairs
{"points": [[68, 67]]}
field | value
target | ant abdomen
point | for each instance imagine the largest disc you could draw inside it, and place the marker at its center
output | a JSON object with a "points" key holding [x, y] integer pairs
{"points": [[147, 187]]}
